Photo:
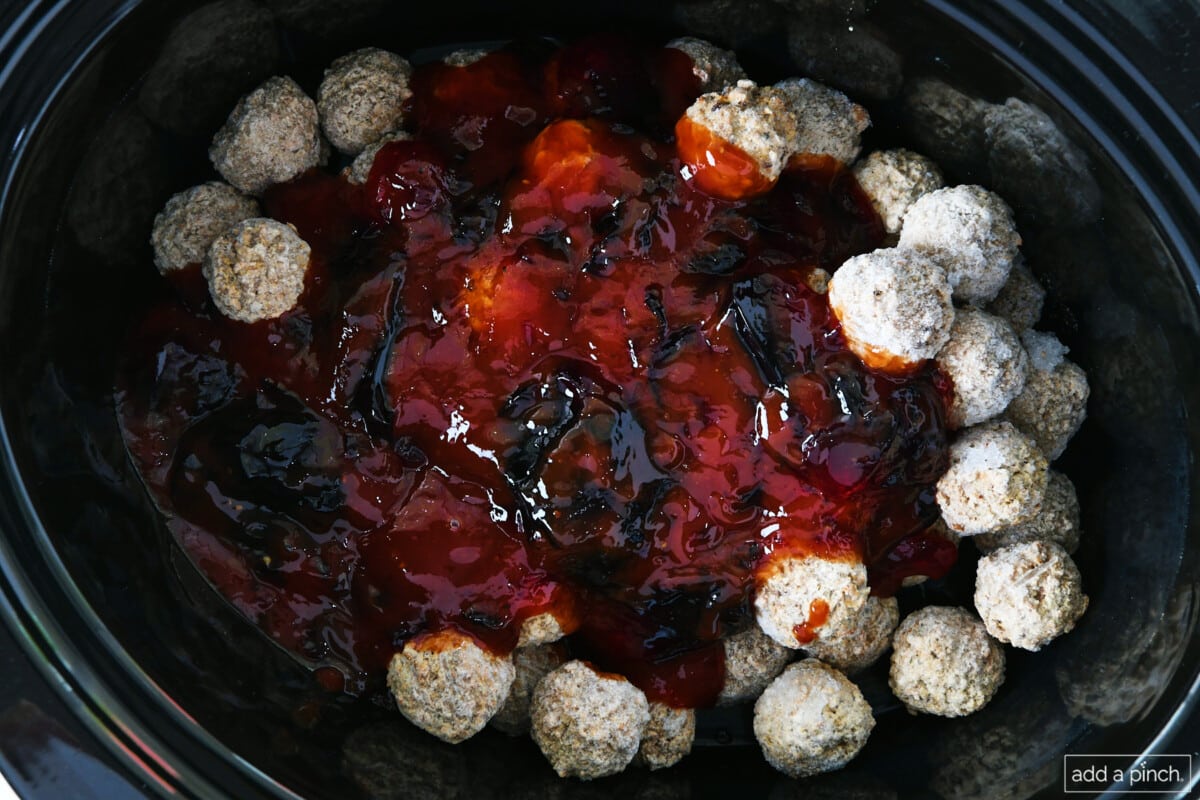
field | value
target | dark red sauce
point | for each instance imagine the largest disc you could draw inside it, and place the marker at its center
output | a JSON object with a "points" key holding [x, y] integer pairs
{"points": [[535, 369]]}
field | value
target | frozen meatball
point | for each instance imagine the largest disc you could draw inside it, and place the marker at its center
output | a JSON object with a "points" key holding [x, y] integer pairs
{"points": [[447, 685], [1057, 521], [1053, 404], [359, 170], [1021, 298], [588, 724], [1037, 167], [969, 231], [944, 662], [362, 97], [192, 220], [854, 58], [758, 120], [752, 660], [997, 479], [668, 736], [894, 305], [540, 629], [715, 68], [465, 57], [811, 719], [864, 642], [800, 599], [894, 179], [271, 137], [987, 364], [829, 123], [1029, 594], [531, 664], [255, 270], [946, 123]]}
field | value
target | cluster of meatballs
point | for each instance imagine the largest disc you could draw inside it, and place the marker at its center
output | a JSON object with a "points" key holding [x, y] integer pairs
{"points": [[951, 287]]}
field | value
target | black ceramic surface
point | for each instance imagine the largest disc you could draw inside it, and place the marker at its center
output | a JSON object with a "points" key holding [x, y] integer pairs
{"points": [[107, 108]]}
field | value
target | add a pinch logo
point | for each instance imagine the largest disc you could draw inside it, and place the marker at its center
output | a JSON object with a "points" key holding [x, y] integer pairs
{"points": [[1161, 775]]}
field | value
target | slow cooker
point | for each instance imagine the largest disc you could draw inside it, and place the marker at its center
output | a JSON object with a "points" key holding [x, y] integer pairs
{"points": [[129, 676]]}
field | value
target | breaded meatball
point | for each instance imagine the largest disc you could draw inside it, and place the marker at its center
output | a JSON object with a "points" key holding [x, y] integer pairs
{"points": [[944, 662], [987, 364], [1037, 167], [447, 685], [540, 629], [946, 123], [758, 120], [997, 479], [863, 642], [715, 68], [894, 179], [752, 660], [821, 595], [895, 307], [1029, 593], [465, 57], [1021, 298], [668, 736], [271, 137], [588, 724], [854, 58], [255, 270], [359, 170], [362, 97], [1053, 404], [811, 719], [1057, 521], [531, 665], [829, 123], [192, 220], [969, 231]]}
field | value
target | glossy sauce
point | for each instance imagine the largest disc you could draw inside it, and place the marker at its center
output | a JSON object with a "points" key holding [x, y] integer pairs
{"points": [[536, 369]]}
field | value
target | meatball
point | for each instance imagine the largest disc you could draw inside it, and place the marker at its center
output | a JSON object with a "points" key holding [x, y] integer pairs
{"points": [[946, 123], [271, 137], [540, 629], [894, 179], [731, 22], [1029, 593], [255, 270], [1057, 521], [944, 662], [531, 665], [715, 68], [969, 231], [819, 596], [362, 97], [465, 57], [851, 57], [997, 479], [1035, 165], [1021, 298], [758, 120], [1053, 404], [895, 307], [864, 642], [588, 724], [987, 364], [192, 220], [359, 171], [752, 660], [811, 719], [828, 122], [447, 685], [668, 736]]}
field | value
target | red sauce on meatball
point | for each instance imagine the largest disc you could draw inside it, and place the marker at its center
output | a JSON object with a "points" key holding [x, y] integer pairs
{"points": [[536, 368]]}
